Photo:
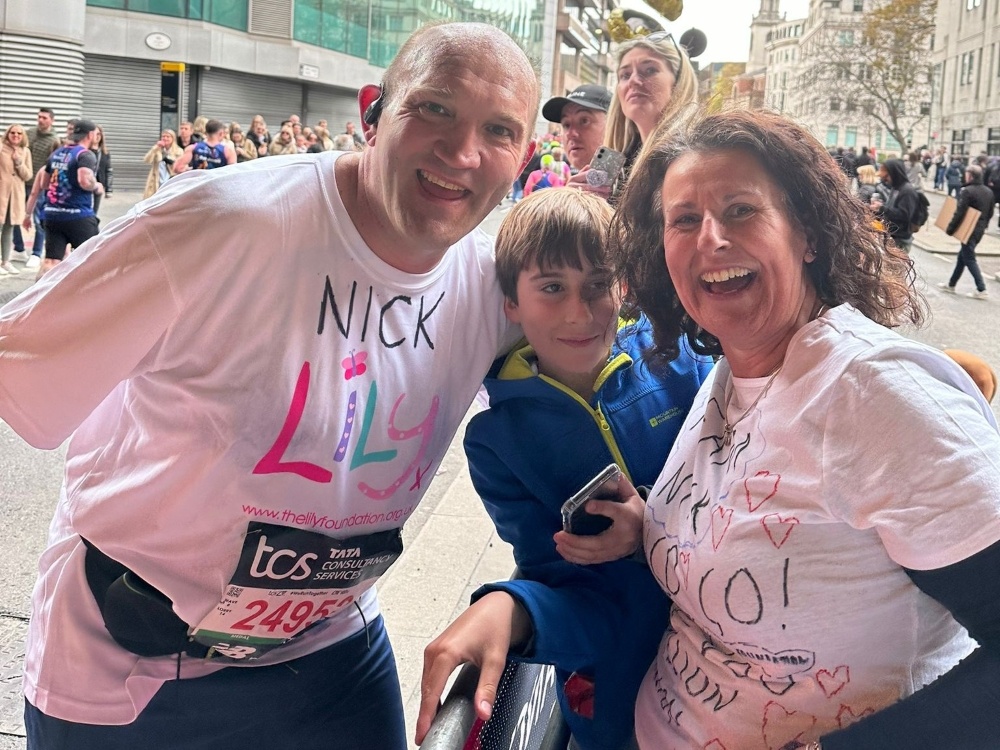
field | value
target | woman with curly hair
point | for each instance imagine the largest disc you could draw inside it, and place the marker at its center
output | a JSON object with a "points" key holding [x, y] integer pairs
{"points": [[827, 522]]}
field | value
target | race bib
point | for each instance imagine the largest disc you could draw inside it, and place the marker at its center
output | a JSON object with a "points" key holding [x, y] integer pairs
{"points": [[288, 580]]}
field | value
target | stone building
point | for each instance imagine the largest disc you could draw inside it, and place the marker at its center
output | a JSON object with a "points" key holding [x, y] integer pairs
{"points": [[965, 114]]}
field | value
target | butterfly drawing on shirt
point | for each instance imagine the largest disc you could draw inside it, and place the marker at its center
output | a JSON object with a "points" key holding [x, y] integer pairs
{"points": [[354, 365]]}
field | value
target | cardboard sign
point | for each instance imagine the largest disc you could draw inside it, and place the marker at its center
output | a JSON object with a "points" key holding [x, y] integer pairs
{"points": [[968, 224]]}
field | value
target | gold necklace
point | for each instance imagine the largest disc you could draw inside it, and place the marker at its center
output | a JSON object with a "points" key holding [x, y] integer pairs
{"points": [[728, 428]]}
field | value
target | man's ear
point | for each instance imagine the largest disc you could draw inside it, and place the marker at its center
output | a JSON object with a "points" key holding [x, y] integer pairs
{"points": [[527, 155], [368, 95]]}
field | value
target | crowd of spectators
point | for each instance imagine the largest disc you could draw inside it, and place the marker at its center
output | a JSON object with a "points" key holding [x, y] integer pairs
{"points": [[256, 141]]}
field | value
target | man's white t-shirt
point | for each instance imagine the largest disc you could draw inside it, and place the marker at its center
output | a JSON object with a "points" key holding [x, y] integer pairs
{"points": [[784, 552], [245, 383]]}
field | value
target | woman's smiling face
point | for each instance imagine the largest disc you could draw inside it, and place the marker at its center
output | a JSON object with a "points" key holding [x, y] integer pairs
{"points": [[736, 257]]}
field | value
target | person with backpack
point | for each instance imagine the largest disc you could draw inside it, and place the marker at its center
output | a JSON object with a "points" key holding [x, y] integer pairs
{"points": [[974, 195], [905, 208], [544, 177], [953, 176], [992, 181]]}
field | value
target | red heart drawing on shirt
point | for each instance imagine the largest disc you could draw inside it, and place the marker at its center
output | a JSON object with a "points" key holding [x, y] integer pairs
{"points": [[714, 745], [782, 726], [769, 488], [721, 518], [846, 715], [685, 560], [833, 683], [778, 528]]}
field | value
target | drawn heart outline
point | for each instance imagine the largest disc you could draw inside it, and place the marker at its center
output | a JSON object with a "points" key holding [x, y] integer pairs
{"points": [[779, 722], [773, 521], [835, 682], [720, 515], [763, 475]]}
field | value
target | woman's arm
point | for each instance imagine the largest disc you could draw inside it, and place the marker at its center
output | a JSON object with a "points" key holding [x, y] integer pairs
{"points": [[961, 709], [22, 164]]}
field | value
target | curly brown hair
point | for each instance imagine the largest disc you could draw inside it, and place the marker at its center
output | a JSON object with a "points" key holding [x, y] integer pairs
{"points": [[855, 263]]}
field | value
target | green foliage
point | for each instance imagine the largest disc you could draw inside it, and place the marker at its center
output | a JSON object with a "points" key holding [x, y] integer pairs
{"points": [[886, 71]]}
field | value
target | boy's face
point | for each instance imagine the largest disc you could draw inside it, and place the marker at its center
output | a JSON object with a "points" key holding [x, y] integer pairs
{"points": [[570, 318]]}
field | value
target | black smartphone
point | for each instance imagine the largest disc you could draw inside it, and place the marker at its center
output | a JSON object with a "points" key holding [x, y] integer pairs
{"points": [[605, 166], [604, 486]]}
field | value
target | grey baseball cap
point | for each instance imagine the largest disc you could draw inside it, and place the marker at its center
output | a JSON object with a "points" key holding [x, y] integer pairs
{"points": [[589, 95]]}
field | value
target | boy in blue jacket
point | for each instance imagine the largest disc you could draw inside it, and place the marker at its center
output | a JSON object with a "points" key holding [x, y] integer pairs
{"points": [[571, 400]]}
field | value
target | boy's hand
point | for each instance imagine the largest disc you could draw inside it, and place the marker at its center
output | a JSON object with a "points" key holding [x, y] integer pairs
{"points": [[621, 540], [482, 635]]}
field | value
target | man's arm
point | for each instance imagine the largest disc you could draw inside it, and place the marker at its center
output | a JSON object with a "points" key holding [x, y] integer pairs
{"points": [[88, 181], [181, 165], [963, 206], [230, 154], [86, 173], [41, 183]]}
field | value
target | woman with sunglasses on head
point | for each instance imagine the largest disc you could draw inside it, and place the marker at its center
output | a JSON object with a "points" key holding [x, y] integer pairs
{"points": [[15, 170], [656, 86]]}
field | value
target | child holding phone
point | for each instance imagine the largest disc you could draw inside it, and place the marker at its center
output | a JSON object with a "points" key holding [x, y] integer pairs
{"points": [[572, 399]]}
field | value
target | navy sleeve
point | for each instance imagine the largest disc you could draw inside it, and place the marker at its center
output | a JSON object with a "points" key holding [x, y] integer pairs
{"points": [[961, 709]]}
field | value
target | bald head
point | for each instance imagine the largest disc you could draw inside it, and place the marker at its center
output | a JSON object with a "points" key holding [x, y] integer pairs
{"points": [[472, 46]]}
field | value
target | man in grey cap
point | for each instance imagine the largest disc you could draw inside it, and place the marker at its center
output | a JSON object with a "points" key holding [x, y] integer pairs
{"points": [[582, 114]]}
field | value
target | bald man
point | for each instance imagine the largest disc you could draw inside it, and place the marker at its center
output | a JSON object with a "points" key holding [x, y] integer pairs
{"points": [[249, 437]]}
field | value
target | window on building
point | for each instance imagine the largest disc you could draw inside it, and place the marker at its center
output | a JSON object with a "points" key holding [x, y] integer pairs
{"points": [[231, 13], [859, 6], [845, 37], [925, 108], [851, 106], [835, 105], [878, 138], [338, 25], [832, 133], [993, 141], [960, 142], [966, 68], [972, 4], [850, 137]]}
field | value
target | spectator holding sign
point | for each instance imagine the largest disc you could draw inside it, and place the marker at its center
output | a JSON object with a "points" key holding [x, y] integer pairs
{"points": [[977, 196]]}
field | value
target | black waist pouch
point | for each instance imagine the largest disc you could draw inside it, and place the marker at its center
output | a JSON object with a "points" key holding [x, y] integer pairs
{"points": [[139, 617]]}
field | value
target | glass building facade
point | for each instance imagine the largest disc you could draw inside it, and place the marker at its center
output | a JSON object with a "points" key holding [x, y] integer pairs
{"points": [[230, 13], [369, 29]]}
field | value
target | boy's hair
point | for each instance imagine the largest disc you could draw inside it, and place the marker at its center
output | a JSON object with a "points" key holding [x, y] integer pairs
{"points": [[552, 229]]}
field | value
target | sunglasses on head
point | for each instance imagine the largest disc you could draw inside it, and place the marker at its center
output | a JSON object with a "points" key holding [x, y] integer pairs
{"points": [[659, 36]]}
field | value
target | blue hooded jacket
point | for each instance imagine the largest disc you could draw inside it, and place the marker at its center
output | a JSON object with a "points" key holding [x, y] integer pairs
{"points": [[537, 444]]}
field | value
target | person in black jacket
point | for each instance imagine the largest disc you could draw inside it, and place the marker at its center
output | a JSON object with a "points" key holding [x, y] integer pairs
{"points": [[898, 211], [974, 195], [104, 173]]}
